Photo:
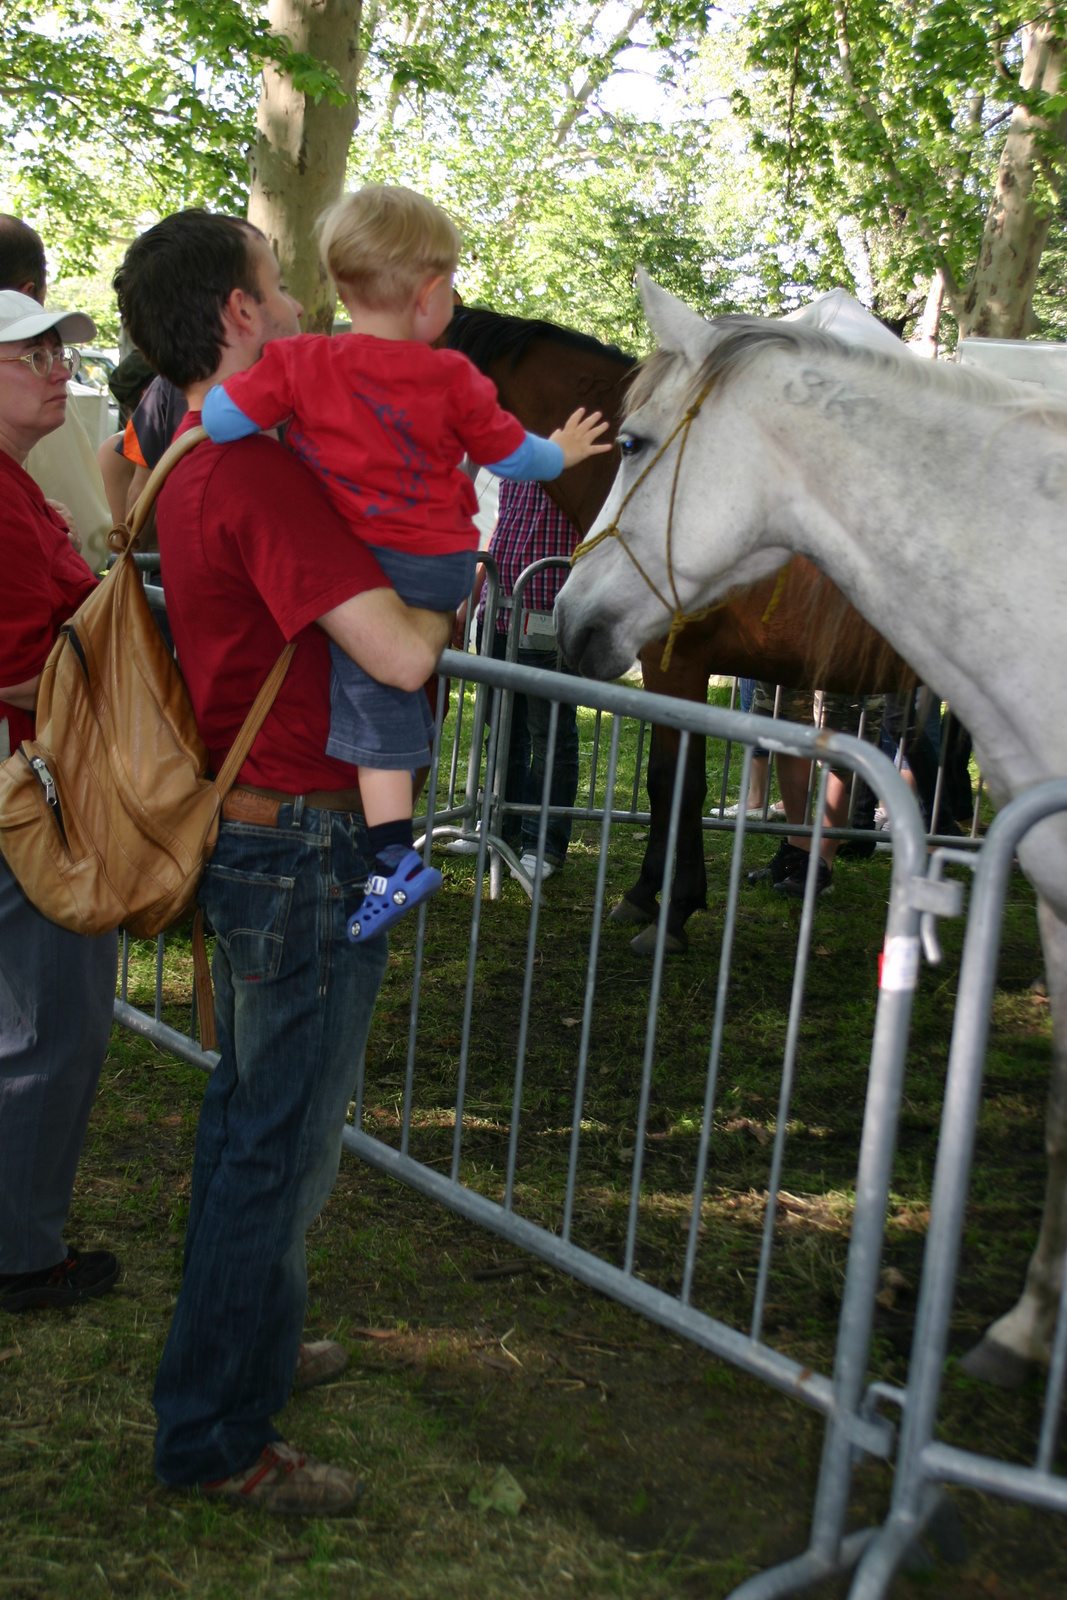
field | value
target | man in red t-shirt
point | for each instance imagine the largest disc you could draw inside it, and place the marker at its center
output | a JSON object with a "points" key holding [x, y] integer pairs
{"points": [[253, 555]]}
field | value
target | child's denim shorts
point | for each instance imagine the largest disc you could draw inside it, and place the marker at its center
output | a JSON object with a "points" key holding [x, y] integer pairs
{"points": [[371, 724]]}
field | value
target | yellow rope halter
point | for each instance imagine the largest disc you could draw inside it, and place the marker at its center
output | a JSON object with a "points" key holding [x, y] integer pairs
{"points": [[679, 618]]}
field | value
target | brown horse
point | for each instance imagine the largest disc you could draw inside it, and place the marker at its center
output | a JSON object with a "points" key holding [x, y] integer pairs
{"points": [[810, 638]]}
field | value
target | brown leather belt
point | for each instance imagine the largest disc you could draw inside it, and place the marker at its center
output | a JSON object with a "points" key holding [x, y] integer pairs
{"points": [[261, 806]]}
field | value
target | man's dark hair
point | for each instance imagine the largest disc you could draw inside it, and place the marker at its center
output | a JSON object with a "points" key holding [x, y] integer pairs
{"points": [[21, 256], [173, 284]]}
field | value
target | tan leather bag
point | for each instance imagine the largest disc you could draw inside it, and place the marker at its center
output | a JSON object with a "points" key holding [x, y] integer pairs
{"points": [[108, 817]]}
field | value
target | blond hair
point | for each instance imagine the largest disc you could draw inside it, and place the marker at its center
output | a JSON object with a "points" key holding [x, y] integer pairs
{"points": [[381, 243]]}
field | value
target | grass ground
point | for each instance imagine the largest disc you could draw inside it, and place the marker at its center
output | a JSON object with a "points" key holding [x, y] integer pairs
{"points": [[650, 1469]]}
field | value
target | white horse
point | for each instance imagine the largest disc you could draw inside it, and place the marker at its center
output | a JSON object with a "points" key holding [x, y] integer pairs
{"points": [[936, 499]]}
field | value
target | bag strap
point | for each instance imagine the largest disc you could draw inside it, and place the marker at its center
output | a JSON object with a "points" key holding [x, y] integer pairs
{"points": [[255, 719], [124, 536], [202, 988]]}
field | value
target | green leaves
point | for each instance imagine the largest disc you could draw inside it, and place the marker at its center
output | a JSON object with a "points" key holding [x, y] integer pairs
{"points": [[891, 113], [135, 108]]}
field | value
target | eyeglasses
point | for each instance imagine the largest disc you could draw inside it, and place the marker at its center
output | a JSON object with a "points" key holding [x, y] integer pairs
{"points": [[43, 357]]}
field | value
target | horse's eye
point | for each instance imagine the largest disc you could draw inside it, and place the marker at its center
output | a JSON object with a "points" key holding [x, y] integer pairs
{"points": [[629, 446]]}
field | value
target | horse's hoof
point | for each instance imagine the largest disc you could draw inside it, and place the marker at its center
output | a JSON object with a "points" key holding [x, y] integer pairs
{"points": [[645, 943], [626, 911], [995, 1363]]}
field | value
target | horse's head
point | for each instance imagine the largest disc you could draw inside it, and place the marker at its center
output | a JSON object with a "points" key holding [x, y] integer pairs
{"points": [[682, 524], [542, 372]]}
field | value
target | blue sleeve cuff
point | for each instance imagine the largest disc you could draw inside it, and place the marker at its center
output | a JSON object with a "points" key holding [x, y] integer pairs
{"points": [[222, 419], [536, 459]]}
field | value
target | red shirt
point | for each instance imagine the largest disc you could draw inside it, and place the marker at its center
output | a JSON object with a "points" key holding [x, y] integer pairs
{"points": [[44, 582], [252, 553], [385, 423]]}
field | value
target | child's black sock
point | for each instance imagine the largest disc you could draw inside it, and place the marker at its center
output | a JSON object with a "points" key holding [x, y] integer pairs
{"points": [[386, 834]]}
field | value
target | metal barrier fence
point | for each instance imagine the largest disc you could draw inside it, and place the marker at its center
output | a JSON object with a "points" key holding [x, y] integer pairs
{"points": [[923, 1462], [844, 1396], [463, 814]]}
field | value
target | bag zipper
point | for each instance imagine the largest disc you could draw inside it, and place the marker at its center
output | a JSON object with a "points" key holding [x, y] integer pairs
{"points": [[45, 779], [48, 784]]}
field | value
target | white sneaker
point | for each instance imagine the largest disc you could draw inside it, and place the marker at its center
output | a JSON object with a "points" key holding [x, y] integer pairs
{"points": [[528, 863], [461, 847], [881, 820]]}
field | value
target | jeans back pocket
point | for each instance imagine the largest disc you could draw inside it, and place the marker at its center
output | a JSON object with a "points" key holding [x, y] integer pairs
{"points": [[249, 912]]}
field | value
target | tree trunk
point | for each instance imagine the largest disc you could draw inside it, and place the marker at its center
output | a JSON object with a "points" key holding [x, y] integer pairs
{"points": [[301, 149], [998, 300], [924, 340]]}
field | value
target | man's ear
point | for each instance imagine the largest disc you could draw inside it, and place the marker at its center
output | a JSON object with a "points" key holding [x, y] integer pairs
{"points": [[238, 311]]}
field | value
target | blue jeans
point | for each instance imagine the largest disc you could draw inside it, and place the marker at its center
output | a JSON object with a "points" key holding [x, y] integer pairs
{"points": [[293, 1004], [57, 996], [525, 777]]}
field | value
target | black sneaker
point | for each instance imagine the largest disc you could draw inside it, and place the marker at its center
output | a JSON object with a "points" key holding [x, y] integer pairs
{"points": [[79, 1277], [786, 860], [793, 885]]}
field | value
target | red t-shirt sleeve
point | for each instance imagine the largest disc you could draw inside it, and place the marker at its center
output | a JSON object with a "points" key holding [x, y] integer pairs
{"points": [[484, 429], [44, 583], [265, 393]]}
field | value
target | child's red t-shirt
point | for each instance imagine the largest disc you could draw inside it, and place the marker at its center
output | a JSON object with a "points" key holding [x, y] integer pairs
{"points": [[385, 424]]}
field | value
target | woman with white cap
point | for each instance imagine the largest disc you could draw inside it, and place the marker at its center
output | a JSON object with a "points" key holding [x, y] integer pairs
{"points": [[56, 988]]}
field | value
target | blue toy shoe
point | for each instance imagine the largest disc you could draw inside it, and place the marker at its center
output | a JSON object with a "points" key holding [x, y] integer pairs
{"points": [[390, 894]]}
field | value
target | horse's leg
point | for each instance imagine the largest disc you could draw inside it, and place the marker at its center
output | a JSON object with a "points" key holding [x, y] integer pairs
{"points": [[689, 890], [639, 903], [1022, 1338]]}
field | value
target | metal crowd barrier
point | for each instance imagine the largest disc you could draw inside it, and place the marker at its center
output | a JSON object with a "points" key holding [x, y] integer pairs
{"points": [[462, 815], [844, 1396], [923, 1461]]}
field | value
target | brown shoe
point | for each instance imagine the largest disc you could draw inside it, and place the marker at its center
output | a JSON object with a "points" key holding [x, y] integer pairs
{"points": [[290, 1484], [318, 1362]]}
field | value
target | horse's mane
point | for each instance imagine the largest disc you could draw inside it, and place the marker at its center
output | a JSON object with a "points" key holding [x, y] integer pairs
{"points": [[741, 339], [486, 336]]}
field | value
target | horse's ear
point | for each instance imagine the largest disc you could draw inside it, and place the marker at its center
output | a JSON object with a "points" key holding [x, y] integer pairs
{"points": [[676, 327]]}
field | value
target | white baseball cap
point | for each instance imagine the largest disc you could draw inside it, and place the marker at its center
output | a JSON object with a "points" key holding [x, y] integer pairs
{"points": [[21, 317]]}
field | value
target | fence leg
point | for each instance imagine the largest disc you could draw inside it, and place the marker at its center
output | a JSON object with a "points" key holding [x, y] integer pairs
{"points": [[959, 1121], [829, 1552]]}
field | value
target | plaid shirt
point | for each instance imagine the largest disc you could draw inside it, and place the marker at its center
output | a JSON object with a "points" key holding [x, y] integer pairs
{"points": [[529, 527]]}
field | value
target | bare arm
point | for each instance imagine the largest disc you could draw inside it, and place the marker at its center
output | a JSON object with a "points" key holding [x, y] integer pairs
{"points": [[140, 477], [117, 474], [395, 643], [459, 630], [67, 516], [24, 695]]}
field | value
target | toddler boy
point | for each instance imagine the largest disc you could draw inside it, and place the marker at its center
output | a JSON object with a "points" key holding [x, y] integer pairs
{"points": [[386, 420]]}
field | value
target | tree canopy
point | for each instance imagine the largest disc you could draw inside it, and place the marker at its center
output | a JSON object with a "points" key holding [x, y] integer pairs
{"points": [[121, 107], [895, 116], [786, 144]]}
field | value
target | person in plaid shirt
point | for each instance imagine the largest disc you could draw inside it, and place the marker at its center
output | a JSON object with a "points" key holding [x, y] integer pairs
{"points": [[530, 527]]}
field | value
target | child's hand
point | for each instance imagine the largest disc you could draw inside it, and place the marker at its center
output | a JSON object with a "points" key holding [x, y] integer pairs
{"points": [[577, 435]]}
